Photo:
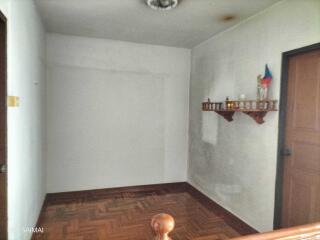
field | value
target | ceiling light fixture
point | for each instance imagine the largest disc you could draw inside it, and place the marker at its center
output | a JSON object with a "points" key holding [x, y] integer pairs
{"points": [[162, 4]]}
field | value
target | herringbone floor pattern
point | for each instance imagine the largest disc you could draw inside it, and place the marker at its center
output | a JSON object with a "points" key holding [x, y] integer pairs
{"points": [[126, 215]]}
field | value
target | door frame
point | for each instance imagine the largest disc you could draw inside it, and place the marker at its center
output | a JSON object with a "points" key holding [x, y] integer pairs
{"points": [[4, 20], [282, 127]]}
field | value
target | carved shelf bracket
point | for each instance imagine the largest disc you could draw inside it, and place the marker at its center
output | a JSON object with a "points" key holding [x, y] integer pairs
{"points": [[257, 116], [228, 115]]}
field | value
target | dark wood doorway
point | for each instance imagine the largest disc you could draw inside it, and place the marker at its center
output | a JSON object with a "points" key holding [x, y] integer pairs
{"points": [[3, 127], [298, 176]]}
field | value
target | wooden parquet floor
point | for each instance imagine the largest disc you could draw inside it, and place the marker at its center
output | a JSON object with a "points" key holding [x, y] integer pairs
{"points": [[125, 214]]}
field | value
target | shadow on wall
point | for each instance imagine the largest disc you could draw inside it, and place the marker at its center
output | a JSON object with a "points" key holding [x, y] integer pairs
{"points": [[208, 171], [218, 177]]}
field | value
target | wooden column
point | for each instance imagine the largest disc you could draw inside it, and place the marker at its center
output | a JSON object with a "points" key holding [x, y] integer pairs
{"points": [[162, 224]]}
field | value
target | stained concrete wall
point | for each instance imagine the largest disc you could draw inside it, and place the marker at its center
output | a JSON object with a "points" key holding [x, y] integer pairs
{"points": [[235, 162]]}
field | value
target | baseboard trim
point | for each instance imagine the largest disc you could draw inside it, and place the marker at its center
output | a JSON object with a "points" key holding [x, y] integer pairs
{"points": [[241, 226], [94, 194]]}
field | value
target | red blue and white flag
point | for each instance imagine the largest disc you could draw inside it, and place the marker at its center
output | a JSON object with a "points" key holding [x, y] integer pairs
{"points": [[267, 79]]}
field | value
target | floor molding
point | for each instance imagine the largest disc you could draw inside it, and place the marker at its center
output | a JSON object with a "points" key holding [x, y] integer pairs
{"points": [[241, 226], [91, 195]]}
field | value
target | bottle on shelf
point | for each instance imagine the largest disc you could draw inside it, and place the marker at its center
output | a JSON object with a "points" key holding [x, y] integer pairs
{"points": [[229, 104]]}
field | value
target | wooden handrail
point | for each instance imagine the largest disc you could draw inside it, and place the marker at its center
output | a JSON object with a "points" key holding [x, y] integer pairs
{"points": [[162, 224], [310, 231]]}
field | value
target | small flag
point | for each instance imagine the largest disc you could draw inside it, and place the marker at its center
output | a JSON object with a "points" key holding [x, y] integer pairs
{"points": [[267, 79]]}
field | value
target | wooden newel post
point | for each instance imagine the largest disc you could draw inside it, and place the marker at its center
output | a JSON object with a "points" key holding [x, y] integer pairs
{"points": [[162, 224]]}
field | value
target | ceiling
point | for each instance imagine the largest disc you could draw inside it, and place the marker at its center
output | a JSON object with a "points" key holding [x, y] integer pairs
{"points": [[191, 23]]}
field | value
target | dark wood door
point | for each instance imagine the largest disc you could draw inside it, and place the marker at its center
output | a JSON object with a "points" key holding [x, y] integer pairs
{"points": [[301, 156], [3, 128]]}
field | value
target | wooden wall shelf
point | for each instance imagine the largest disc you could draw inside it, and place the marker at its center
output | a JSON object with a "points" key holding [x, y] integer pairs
{"points": [[257, 110]]}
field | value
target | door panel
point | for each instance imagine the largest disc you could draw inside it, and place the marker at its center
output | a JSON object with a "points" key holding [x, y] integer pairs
{"points": [[301, 180], [306, 162]]}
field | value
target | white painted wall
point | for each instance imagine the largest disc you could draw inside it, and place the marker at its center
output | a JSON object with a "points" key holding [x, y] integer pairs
{"points": [[26, 165], [235, 162], [4, 6], [117, 113]]}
